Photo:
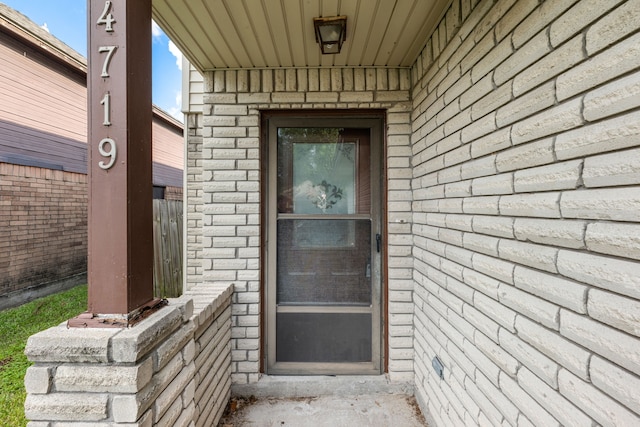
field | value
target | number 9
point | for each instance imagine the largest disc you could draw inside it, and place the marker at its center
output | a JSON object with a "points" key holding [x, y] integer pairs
{"points": [[111, 153]]}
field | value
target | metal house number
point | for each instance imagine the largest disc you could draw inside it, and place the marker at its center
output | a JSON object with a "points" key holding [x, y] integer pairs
{"points": [[107, 146]]}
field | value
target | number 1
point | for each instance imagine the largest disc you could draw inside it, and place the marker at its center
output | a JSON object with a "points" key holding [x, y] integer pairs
{"points": [[106, 101]]}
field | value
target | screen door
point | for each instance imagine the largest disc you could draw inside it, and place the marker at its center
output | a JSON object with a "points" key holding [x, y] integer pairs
{"points": [[324, 244]]}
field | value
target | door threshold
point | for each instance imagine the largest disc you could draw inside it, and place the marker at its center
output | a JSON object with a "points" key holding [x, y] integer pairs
{"points": [[293, 386]]}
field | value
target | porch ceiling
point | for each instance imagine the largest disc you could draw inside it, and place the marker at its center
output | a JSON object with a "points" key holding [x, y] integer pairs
{"points": [[215, 34]]}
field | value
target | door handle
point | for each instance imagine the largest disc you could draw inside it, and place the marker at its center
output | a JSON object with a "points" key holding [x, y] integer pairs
{"points": [[378, 242]]}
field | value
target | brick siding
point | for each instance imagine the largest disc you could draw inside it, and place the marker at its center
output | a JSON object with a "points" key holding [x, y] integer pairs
{"points": [[526, 214], [173, 193], [43, 224], [43, 227], [223, 190]]}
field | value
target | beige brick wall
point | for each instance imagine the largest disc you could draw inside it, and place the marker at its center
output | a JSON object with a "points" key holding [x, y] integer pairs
{"points": [[171, 369], [43, 226], [526, 213], [223, 190]]}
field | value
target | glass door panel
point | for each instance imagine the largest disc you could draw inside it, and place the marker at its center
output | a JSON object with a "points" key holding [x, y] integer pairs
{"points": [[324, 289]]}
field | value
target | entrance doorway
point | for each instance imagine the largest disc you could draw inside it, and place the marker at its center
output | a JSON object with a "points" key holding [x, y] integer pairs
{"points": [[323, 246]]}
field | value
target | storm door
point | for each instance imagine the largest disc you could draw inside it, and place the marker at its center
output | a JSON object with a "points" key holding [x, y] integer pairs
{"points": [[323, 247]]}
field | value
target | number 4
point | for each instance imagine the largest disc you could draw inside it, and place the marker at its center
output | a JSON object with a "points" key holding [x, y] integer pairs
{"points": [[107, 17]]}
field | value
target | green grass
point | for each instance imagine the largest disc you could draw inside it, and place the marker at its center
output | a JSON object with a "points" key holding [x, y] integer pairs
{"points": [[16, 325]]}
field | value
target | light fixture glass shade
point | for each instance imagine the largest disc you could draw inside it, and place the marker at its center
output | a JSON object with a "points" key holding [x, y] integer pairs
{"points": [[330, 33]]}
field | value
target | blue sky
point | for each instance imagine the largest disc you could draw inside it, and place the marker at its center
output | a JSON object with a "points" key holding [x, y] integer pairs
{"points": [[67, 20]]}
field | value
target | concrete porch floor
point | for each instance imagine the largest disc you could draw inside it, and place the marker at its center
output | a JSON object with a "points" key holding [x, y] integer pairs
{"points": [[379, 410], [318, 401]]}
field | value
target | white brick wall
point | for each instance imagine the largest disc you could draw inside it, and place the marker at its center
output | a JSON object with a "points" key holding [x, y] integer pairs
{"points": [[526, 193], [223, 232], [171, 369]]}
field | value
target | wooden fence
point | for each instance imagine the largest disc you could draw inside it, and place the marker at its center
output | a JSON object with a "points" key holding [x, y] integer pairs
{"points": [[167, 242]]}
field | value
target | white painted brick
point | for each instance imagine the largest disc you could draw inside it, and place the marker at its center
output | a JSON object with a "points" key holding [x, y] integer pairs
{"points": [[67, 407], [37, 379], [504, 360], [531, 306], [491, 143], [497, 398], [604, 272], [173, 390], [488, 63], [456, 287], [576, 18], [459, 255], [447, 113], [619, 59], [476, 92], [532, 255], [526, 156], [608, 135], [559, 60], [606, 341], [479, 167], [493, 225], [459, 155], [459, 222], [171, 415], [566, 233], [558, 176], [552, 121], [526, 105], [496, 311], [535, 412], [555, 289], [487, 205], [542, 205], [598, 405], [492, 101], [461, 85], [482, 362], [109, 378], [613, 169], [458, 189], [492, 185], [549, 342], [523, 57], [616, 382], [540, 18], [479, 243], [230, 110], [619, 204], [485, 284], [450, 205], [620, 312], [616, 97], [513, 17], [611, 238], [482, 322], [451, 174], [500, 269], [545, 368], [551, 400], [480, 397], [479, 128], [613, 26]]}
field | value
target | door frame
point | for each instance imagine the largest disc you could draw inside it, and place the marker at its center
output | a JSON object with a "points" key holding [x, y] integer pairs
{"points": [[375, 121]]}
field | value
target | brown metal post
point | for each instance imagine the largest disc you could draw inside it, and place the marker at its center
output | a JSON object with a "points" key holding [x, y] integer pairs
{"points": [[120, 267]]}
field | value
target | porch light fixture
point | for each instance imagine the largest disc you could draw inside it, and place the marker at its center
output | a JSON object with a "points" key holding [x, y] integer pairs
{"points": [[331, 32]]}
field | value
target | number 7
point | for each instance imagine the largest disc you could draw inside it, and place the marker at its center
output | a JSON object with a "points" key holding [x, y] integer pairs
{"points": [[110, 51]]}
